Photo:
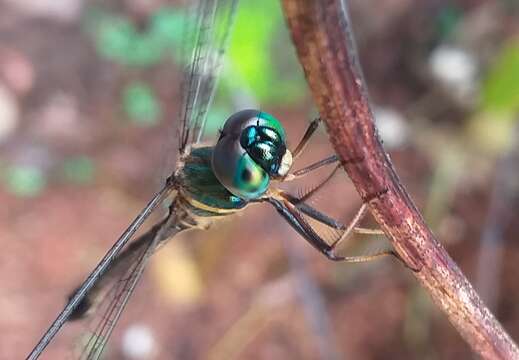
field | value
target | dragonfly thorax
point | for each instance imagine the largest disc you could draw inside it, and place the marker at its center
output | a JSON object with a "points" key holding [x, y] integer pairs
{"points": [[250, 151]]}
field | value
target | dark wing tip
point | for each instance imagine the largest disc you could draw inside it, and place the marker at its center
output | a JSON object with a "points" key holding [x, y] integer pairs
{"points": [[82, 309]]}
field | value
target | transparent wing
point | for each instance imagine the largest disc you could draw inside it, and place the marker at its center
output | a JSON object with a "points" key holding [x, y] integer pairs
{"points": [[210, 39], [115, 302], [109, 297], [207, 36], [96, 275]]}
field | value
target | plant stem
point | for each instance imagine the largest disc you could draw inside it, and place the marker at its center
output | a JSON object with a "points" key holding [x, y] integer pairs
{"points": [[321, 32]]}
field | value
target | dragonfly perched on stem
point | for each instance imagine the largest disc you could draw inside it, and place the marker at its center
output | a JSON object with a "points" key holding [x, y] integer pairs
{"points": [[244, 167]]}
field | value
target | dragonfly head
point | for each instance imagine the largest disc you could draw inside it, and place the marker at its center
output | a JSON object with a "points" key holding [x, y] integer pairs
{"points": [[250, 151]]}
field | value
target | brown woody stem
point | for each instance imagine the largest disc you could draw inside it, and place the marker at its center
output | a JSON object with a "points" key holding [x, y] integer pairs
{"points": [[321, 32]]}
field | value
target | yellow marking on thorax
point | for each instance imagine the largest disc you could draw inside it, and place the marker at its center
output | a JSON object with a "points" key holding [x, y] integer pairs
{"points": [[199, 205]]}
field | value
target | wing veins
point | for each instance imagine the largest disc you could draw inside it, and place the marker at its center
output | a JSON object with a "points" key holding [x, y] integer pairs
{"points": [[210, 45], [125, 286]]}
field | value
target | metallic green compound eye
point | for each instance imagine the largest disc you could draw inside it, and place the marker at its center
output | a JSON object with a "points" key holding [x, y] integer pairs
{"points": [[249, 178], [251, 149]]}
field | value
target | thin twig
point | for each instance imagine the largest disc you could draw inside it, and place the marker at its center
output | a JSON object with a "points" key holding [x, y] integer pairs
{"points": [[321, 32]]}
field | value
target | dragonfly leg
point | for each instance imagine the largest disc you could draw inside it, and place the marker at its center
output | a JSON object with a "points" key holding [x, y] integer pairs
{"points": [[310, 130], [308, 169], [313, 213], [366, 258], [354, 229], [367, 231], [331, 222], [299, 203], [300, 148], [289, 212], [352, 226]]}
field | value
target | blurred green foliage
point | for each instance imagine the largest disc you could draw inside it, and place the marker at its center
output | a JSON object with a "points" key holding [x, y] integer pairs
{"points": [[492, 125], [500, 92], [79, 170], [24, 180], [447, 20], [261, 54], [140, 104], [116, 38], [270, 75], [260, 63]]}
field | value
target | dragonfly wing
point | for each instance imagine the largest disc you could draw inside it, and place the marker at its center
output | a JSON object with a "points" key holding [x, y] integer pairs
{"points": [[115, 301], [95, 276], [110, 297], [214, 22], [209, 37]]}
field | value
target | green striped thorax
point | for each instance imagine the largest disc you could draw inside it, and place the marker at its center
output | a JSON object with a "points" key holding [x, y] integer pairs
{"points": [[250, 151]]}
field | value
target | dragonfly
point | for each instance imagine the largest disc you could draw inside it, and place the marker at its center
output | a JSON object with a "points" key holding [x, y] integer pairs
{"points": [[244, 167]]}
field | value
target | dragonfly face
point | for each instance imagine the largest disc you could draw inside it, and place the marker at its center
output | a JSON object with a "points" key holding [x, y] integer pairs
{"points": [[250, 151]]}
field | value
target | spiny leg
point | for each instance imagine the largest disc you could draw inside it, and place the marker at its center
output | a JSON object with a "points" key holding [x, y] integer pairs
{"points": [[308, 169], [309, 194], [312, 212], [298, 223], [289, 212], [301, 146], [366, 258], [329, 160], [352, 225], [325, 219], [354, 229], [299, 203], [366, 231], [310, 130], [299, 149], [302, 227]]}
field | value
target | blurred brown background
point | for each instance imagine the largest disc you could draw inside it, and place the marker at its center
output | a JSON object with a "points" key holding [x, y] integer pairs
{"points": [[88, 102]]}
